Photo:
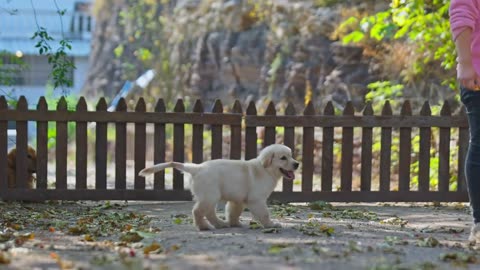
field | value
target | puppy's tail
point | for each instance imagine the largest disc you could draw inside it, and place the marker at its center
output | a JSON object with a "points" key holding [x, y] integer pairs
{"points": [[190, 168]]}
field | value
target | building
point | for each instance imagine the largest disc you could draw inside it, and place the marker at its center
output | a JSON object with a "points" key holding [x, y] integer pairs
{"points": [[20, 19]]}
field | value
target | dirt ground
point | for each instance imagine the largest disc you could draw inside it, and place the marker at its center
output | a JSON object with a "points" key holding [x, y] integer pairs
{"points": [[160, 235]]}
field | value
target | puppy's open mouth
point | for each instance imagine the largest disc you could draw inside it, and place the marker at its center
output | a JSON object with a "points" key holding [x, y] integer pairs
{"points": [[288, 174]]}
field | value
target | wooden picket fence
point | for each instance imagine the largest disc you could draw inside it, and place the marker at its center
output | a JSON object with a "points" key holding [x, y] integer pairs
{"points": [[241, 125]]}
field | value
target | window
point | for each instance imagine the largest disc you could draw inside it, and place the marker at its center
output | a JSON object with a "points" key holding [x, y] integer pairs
{"points": [[36, 71], [11, 67]]}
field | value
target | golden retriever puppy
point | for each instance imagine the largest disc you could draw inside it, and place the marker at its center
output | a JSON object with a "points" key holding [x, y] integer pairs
{"points": [[241, 183], [31, 167]]}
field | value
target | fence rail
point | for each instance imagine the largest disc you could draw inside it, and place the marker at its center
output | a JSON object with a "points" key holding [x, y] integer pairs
{"points": [[321, 149]]}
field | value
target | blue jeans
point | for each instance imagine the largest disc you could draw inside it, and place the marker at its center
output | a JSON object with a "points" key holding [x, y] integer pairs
{"points": [[471, 100]]}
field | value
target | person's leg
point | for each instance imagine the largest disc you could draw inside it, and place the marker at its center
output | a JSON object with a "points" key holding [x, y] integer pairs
{"points": [[471, 100]]}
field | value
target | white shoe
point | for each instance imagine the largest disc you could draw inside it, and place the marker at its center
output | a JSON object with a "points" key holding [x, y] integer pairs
{"points": [[475, 233]]}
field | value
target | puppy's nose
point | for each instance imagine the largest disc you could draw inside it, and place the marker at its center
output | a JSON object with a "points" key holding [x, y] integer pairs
{"points": [[295, 165]]}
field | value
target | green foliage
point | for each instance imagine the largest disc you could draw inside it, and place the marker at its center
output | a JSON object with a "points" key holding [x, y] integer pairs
{"points": [[423, 23], [62, 64], [52, 102], [383, 90]]}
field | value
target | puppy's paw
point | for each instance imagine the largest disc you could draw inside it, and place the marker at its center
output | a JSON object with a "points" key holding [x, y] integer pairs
{"points": [[221, 225], [204, 228], [236, 225], [273, 225]]}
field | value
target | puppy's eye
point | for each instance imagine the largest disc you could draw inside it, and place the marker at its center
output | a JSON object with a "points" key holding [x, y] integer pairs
{"points": [[29, 156], [283, 158]]}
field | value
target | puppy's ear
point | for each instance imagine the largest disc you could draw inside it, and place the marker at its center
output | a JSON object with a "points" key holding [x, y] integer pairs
{"points": [[267, 160], [11, 159]]}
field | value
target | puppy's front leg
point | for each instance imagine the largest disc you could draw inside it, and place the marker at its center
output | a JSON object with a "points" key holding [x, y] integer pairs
{"points": [[260, 211], [233, 212]]}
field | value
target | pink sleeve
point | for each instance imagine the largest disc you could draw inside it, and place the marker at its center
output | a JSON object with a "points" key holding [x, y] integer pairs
{"points": [[463, 13]]}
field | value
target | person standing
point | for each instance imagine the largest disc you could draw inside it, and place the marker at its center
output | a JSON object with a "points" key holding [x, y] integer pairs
{"points": [[465, 28]]}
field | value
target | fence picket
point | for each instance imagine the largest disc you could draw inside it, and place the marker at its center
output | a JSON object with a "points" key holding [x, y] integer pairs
{"points": [[140, 146], [61, 142], [307, 152], [159, 145], [269, 137], [347, 152], [367, 142], [405, 152], [3, 147], [217, 132], [197, 135], [289, 140], [444, 152], [178, 146], [22, 144], [101, 148], [42, 146], [236, 134], [251, 134], [327, 151], [386, 151], [121, 148], [424, 153]]}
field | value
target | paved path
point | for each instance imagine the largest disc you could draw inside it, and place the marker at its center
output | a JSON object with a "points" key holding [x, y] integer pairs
{"points": [[93, 235]]}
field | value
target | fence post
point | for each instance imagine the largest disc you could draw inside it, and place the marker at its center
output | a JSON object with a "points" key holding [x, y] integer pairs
{"points": [[236, 134], [121, 148], [159, 146], [424, 154], [251, 134], [405, 153], [101, 148], [217, 130], [269, 137], [3, 147], [327, 151], [386, 151], [61, 148], [347, 151], [42, 146], [289, 140], [197, 135], [178, 145], [22, 144], [444, 151], [367, 142], [307, 159]]}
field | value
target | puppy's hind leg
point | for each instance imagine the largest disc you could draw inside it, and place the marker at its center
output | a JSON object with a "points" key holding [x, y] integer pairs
{"points": [[260, 211], [233, 212], [214, 220], [199, 211]]}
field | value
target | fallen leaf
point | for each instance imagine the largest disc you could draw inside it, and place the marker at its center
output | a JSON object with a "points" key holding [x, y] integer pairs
{"points": [[320, 205], [131, 237], [428, 242], [254, 225], [395, 221], [51, 229], [89, 238], [21, 239], [271, 230], [77, 230], [4, 258], [174, 247], [459, 257], [277, 248]]}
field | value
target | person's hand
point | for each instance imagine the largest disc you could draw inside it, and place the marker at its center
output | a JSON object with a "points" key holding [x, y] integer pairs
{"points": [[467, 76]]}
